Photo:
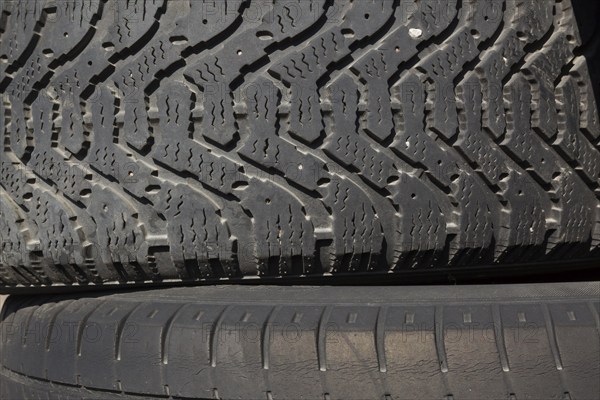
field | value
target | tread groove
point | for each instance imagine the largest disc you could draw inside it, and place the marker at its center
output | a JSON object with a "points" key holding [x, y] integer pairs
{"points": [[267, 337], [380, 338], [500, 341], [552, 337], [165, 334], [120, 329], [214, 339], [82, 326], [322, 338], [440, 344]]}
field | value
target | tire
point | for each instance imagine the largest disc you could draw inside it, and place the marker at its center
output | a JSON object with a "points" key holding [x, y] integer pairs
{"points": [[155, 142], [463, 342]]}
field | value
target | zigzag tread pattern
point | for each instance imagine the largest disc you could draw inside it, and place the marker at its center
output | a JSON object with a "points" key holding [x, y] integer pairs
{"points": [[150, 141]]}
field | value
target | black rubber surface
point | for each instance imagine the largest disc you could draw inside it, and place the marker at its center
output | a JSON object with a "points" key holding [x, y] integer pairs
{"points": [[149, 141], [241, 342]]}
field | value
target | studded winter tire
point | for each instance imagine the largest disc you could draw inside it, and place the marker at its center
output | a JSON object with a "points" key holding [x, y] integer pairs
{"points": [[154, 141]]}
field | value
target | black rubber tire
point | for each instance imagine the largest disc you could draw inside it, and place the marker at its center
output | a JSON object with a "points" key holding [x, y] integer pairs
{"points": [[464, 342], [166, 141]]}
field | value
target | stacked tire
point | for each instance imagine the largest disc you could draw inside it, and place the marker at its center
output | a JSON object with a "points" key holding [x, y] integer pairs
{"points": [[156, 143]]}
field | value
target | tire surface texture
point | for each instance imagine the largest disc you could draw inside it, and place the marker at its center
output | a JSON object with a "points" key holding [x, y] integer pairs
{"points": [[163, 141], [539, 341]]}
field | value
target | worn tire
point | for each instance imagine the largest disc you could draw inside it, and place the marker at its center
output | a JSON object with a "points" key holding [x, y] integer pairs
{"points": [[147, 141], [282, 343]]}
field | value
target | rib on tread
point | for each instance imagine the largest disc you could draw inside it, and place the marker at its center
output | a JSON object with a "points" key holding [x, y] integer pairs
{"points": [[191, 342]]}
